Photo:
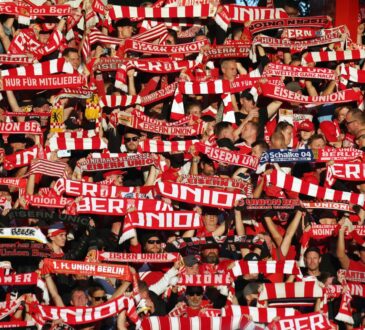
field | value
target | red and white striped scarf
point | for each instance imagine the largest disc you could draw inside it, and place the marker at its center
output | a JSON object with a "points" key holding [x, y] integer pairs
{"points": [[137, 257], [197, 11], [16, 59], [280, 70], [242, 267], [312, 321], [61, 266], [312, 21], [216, 181], [114, 101], [82, 315], [345, 171], [352, 275], [159, 95], [309, 289], [48, 167], [197, 195], [156, 146], [22, 158], [334, 56], [259, 314], [197, 322], [290, 183], [40, 69], [65, 143], [352, 74], [159, 221], [113, 206], [228, 157], [334, 35], [279, 93], [26, 41]]}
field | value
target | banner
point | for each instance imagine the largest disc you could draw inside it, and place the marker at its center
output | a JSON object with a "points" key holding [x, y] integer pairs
{"points": [[311, 321], [287, 155], [36, 250], [23, 233], [19, 279], [204, 279], [28, 127]]}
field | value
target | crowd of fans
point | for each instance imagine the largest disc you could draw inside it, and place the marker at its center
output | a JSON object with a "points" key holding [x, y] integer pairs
{"points": [[226, 235]]}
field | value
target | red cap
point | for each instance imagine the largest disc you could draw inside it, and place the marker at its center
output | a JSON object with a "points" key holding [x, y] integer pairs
{"points": [[306, 126], [113, 172], [329, 130]]}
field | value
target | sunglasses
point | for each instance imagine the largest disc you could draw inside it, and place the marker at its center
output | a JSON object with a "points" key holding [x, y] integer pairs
{"points": [[191, 294], [134, 139], [154, 241], [104, 298]]}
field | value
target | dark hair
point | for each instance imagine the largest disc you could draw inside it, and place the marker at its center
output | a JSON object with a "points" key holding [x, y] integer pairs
{"points": [[316, 137], [221, 126], [69, 50], [262, 144], [312, 249], [282, 126]]}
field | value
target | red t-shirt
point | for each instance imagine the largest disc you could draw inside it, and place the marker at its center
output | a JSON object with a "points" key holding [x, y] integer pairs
{"points": [[357, 265]]}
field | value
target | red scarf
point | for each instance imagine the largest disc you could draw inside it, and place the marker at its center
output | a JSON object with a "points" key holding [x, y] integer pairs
{"points": [[22, 158], [290, 183], [137, 257], [205, 279], [345, 171], [61, 266], [156, 146], [312, 321], [243, 267], [334, 56], [199, 196], [28, 127], [113, 206]]}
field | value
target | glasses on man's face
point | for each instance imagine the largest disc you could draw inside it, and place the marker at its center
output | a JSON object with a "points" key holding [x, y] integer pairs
{"points": [[349, 122], [154, 241], [103, 298], [192, 294], [134, 139]]}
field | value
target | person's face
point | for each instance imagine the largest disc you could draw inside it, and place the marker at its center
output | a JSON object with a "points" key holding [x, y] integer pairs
{"points": [[16, 146], [304, 135], [292, 12], [117, 179], [194, 300], [79, 299], [125, 31], [247, 104], [328, 221], [278, 143], [153, 245], [288, 135], [131, 142], [59, 240], [74, 59], [229, 70], [195, 111], [249, 131], [351, 124], [43, 37], [193, 270], [211, 255], [312, 260], [207, 169], [170, 40], [98, 297], [342, 114], [317, 144], [210, 220], [227, 133]]}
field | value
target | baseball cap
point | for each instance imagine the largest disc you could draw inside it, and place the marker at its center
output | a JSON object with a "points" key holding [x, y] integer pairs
{"points": [[329, 130], [251, 256], [306, 126], [56, 229], [113, 172], [293, 86], [190, 260]]}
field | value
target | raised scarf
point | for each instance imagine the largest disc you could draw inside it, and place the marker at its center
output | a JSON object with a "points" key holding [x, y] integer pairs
{"points": [[216, 181], [33, 250], [290, 183], [198, 196], [279, 93], [23, 233], [228, 157], [28, 127], [157, 146], [137, 257], [22, 158], [19, 279], [311, 321], [243, 267], [159, 221], [334, 56], [118, 207], [48, 167], [68, 143], [61, 266], [205, 279], [345, 171]]}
